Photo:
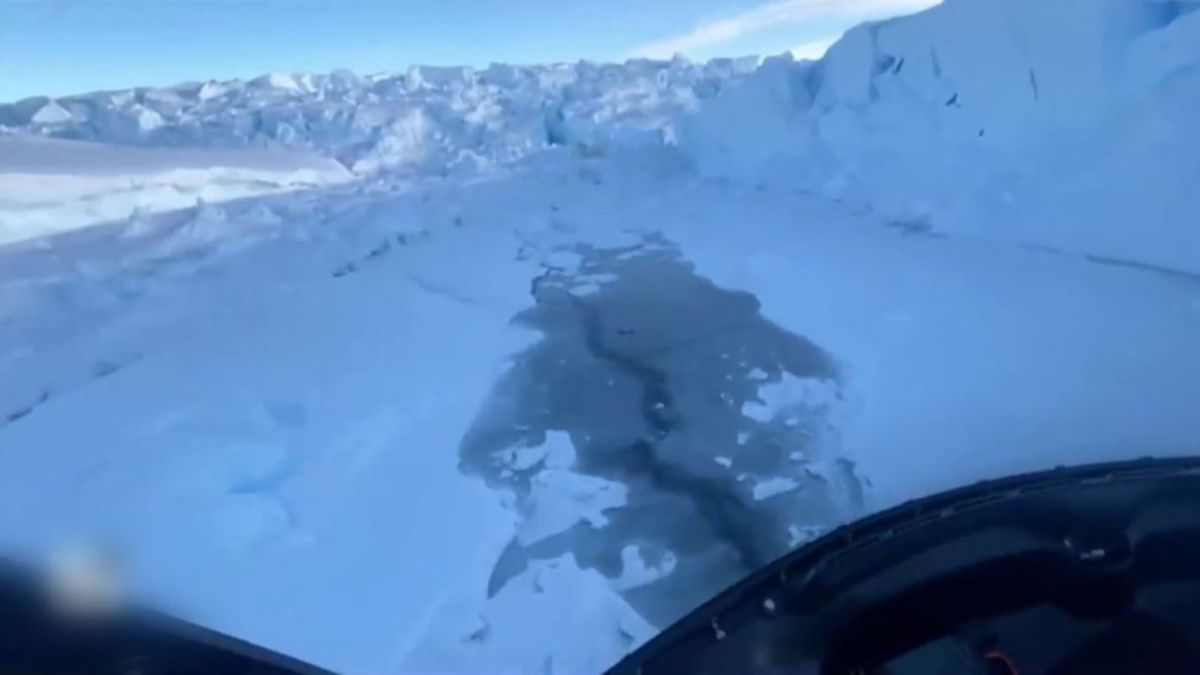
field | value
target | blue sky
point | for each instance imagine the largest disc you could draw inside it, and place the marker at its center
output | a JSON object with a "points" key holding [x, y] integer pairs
{"points": [[57, 47]]}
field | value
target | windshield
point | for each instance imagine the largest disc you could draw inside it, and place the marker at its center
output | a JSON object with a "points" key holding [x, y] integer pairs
{"points": [[498, 337]]}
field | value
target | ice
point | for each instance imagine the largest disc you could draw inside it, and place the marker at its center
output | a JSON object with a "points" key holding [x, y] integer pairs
{"points": [[50, 114], [502, 369], [560, 499], [775, 398], [588, 622], [556, 452], [765, 489], [428, 119], [940, 122], [635, 572], [281, 81]]}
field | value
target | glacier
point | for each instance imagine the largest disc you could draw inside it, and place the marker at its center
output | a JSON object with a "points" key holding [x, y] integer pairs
{"points": [[504, 369]]}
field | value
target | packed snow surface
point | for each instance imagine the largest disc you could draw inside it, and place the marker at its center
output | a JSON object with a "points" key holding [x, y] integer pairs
{"points": [[504, 370]]}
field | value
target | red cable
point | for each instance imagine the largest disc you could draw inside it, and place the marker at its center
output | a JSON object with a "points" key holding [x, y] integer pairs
{"points": [[997, 655]]}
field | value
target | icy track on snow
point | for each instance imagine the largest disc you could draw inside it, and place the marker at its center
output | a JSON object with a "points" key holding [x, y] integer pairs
{"points": [[503, 370]]}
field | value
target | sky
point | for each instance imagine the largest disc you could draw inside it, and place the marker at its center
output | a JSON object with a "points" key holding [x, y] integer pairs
{"points": [[59, 47]]}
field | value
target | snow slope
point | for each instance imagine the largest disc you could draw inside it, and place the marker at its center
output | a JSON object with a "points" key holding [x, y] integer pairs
{"points": [[49, 186], [611, 338]]}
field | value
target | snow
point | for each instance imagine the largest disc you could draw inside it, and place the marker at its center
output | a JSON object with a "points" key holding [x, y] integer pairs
{"points": [[238, 482], [789, 392], [555, 453], [577, 621], [422, 368], [561, 499], [49, 186], [635, 572]]}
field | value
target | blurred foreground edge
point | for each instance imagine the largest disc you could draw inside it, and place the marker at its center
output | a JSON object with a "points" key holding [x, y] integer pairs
{"points": [[38, 639]]}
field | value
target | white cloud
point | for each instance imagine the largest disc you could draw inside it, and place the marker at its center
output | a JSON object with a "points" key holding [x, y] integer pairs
{"points": [[772, 15], [814, 49]]}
